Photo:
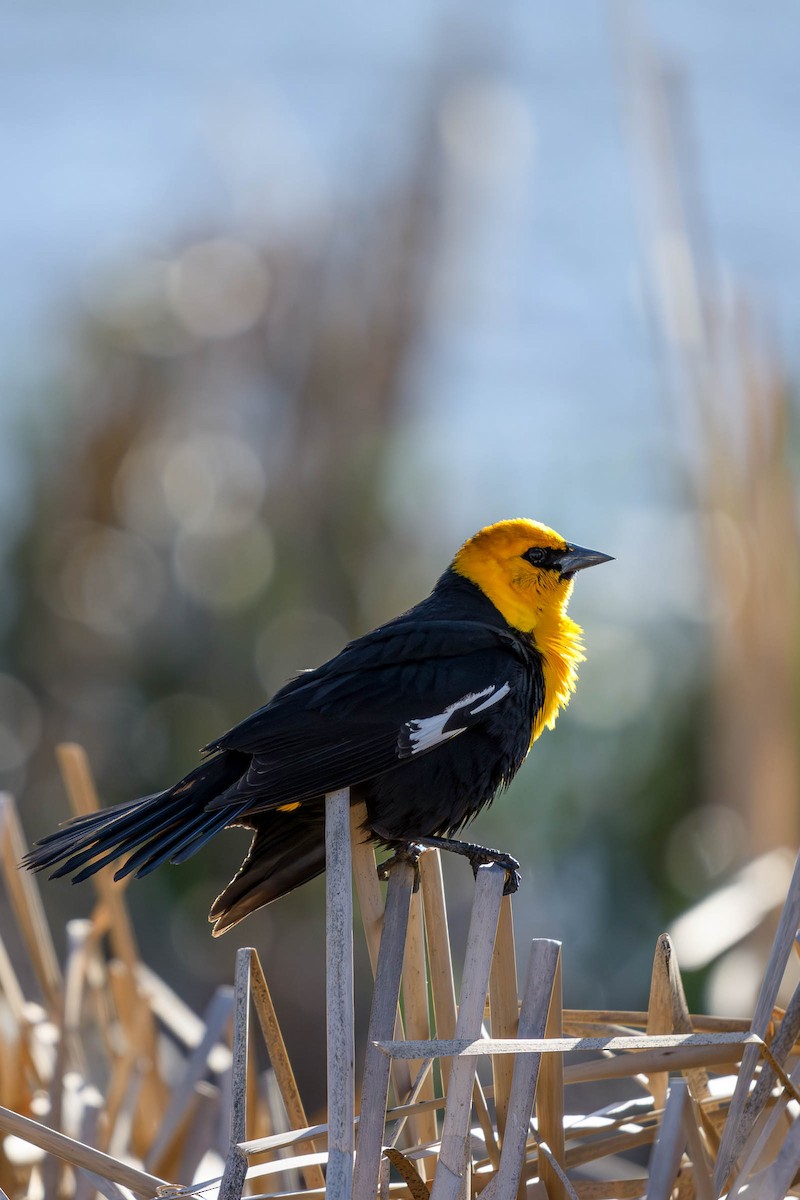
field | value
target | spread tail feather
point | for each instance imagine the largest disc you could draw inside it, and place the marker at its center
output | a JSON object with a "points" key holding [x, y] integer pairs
{"points": [[168, 825], [287, 849]]}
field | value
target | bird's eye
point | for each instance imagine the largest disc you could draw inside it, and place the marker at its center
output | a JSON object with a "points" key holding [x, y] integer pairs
{"points": [[536, 555]]}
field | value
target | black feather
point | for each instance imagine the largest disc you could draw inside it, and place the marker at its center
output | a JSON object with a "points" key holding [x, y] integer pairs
{"points": [[350, 723], [144, 829]]}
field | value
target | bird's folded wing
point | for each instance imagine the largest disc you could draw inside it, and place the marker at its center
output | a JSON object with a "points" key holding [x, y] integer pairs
{"points": [[335, 728]]}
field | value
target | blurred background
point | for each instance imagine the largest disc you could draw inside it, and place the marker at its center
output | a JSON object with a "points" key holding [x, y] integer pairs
{"points": [[296, 298]]}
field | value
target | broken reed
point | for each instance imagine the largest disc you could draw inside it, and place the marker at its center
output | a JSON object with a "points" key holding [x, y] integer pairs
{"points": [[216, 1125]]}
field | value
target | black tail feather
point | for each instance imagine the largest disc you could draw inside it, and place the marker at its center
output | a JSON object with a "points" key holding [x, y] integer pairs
{"points": [[149, 830], [189, 837], [87, 835], [190, 845], [287, 850]]}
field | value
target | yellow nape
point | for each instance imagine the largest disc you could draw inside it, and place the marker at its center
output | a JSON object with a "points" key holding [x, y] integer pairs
{"points": [[532, 599]]}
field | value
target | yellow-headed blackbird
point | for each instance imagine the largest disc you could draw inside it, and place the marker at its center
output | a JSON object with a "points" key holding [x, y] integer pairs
{"points": [[424, 719]]}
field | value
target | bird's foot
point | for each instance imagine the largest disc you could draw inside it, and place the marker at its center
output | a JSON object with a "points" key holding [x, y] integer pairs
{"points": [[411, 853], [482, 856], [477, 856]]}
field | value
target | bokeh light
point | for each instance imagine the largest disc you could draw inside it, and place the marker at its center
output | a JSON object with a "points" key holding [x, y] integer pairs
{"points": [[105, 578], [218, 288], [225, 571]]}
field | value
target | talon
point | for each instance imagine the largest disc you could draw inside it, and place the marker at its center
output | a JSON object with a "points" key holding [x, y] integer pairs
{"points": [[409, 853], [513, 880], [481, 858], [478, 856], [385, 868]]}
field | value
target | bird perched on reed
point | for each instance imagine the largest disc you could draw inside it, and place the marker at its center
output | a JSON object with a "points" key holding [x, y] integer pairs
{"points": [[424, 719]]}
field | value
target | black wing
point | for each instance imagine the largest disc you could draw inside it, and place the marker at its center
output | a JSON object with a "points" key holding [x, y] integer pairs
{"points": [[398, 692]]}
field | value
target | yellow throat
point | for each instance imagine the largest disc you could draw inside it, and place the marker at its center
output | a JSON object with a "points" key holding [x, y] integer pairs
{"points": [[533, 601]]}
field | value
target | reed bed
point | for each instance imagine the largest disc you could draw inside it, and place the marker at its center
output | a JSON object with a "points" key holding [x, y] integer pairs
{"points": [[111, 1086]]}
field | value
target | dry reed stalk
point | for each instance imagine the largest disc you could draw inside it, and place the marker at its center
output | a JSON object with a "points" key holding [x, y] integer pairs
{"points": [[543, 964], [782, 1044], [440, 961], [198, 1145], [443, 990], [774, 1181], [548, 1159], [668, 1012], [660, 1011], [272, 1118], [395, 1189], [235, 1171], [176, 1016], [260, 1106], [653, 1052], [276, 1048], [141, 1042], [370, 903], [744, 1109], [74, 1152], [765, 1141], [504, 1010], [696, 1128], [82, 793], [365, 875], [610, 1189], [666, 1157], [616, 1144], [316, 1134], [632, 1018], [173, 1126], [418, 1025], [712, 1054], [296, 1162], [375, 1086], [91, 1110], [216, 1020], [451, 1172], [125, 1125], [11, 990], [137, 1018], [78, 949], [26, 902], [339, 984], [550, 1098]]}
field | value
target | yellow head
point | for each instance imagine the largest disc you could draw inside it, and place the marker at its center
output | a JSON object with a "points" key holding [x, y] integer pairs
{"points": [[527, 571]]}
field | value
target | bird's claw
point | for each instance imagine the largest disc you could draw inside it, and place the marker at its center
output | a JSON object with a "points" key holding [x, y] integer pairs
{"points": [[478, 856], [410, 853], [483, 857]]}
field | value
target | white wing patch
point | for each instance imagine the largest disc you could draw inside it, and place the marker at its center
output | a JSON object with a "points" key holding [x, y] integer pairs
{"points": [[426, 732], [498, 694]]}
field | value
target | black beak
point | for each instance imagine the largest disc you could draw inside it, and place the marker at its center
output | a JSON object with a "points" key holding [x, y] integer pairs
{"points": [[576, 558]]}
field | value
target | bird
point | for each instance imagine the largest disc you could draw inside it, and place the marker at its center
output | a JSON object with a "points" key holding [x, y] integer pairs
{"points": [[425, 718]]}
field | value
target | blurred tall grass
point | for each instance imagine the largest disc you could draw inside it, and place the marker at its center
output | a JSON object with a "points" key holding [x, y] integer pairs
{"points": [[733, 410]]}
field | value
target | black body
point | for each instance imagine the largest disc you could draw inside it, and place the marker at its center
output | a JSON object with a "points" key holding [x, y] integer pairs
{"points": [[451, 665]]}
